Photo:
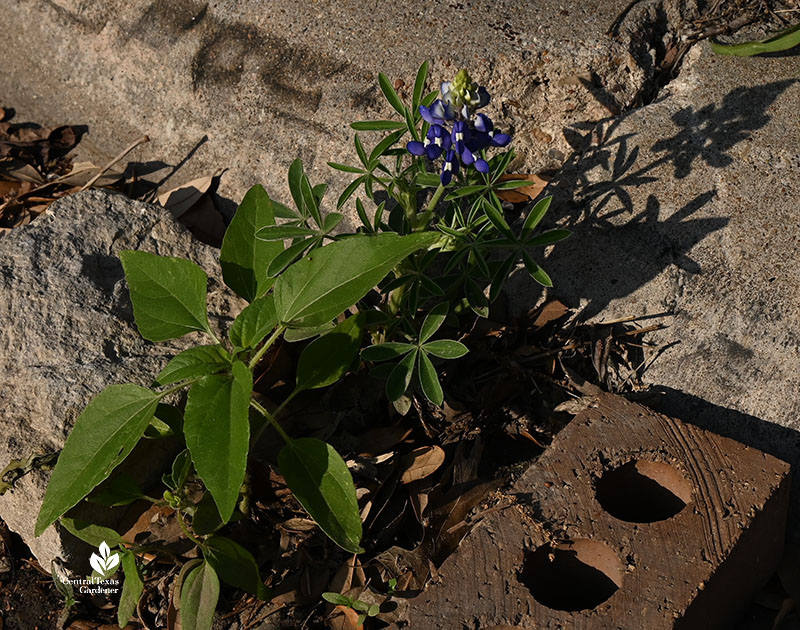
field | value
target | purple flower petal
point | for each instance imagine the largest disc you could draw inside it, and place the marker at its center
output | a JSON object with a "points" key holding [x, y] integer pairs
{"points": [[500, 139], [433, 151], [481, 165], [466, 156], [483, 95], [483, 123], [446, 177], [415, 148], [427, 116]]}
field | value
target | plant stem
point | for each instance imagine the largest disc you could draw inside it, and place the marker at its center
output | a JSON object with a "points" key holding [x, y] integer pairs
{"points": [[257, 357], [272, 421], [189, 535], [422, 219]]}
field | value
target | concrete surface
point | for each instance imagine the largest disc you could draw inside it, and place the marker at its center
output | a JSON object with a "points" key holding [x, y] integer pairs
{"points": [[689, 206], [267, 82]]}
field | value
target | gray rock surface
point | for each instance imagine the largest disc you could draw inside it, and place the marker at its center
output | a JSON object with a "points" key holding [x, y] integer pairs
{"points": [[67, 332], [689, 206], [269, 82]]}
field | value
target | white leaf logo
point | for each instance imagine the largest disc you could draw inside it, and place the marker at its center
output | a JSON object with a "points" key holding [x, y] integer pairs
{"points": [[105, 563]]}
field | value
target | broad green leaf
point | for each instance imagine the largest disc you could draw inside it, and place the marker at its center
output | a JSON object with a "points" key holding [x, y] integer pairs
{"points": [[244, 257], [548, 238], [536, 272], [132, 588], [254, 323], [783, 40], [206, 518], [330, 279], [419, 85], [104, 434], [321, 482], [199, 595], [328, 358], [400, 376], [433, 321], [91, 534], [121, 489], [293, 335], [376, 125], [390, 94], [535, 216], [429, 380], [168, 420], [281, 232], [235, 565], [446, 349], [194, 363], [386, 351], [168, 294], [217, 429]]}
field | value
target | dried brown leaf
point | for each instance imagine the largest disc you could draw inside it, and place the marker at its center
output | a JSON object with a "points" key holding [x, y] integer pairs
{"points": [[377, 441], [421, 462], [181, 199], [547, 313], [524, 193]]}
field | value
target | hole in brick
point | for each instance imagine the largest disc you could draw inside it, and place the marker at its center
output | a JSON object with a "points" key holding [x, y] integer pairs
{"points": [[572, 576], [643, 492]]}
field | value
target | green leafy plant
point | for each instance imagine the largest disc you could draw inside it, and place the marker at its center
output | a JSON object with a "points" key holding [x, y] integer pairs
{"points": [[783, 40], [435, 248]]}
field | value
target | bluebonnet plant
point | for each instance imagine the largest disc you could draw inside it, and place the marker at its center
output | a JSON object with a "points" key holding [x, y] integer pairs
{"points": [[471, 134]]}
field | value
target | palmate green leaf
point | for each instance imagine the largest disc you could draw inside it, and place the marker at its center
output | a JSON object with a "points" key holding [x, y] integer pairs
{"points": [[244, 257], [193, 363], [400, 377], [496, 217], [104, 434], [235, 565], [429, 380], [547, 238], [310, 200], [168, 295], [348, 192], [330, 279], [433, 321], [120, 489], [254, 323], [384, 144], [199, 595], [500, 276], [445, 348], [328, 358], [783, 40], [217, 429], [89, 533], [132, 588], [321, 482], [419, 86], [295, 179]]}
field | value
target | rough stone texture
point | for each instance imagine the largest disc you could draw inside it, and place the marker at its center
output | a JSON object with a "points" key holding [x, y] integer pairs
{"points": [[267, 85], [67, 332], [689, 206], [629, 520]]}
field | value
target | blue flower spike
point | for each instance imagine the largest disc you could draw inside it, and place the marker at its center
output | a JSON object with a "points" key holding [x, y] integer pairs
{"points": [[470, 134]]}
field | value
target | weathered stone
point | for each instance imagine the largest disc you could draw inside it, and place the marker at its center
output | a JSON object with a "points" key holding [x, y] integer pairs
{"points": [[629, 520], [268, 86], [67, 332], [689, 207]]}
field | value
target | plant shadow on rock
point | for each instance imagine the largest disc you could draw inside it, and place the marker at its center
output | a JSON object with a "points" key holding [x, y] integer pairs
{"points": [[606, 258]]}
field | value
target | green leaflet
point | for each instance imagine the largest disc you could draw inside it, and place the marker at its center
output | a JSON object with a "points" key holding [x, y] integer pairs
{"points": [[330, 279], [93, 535], [784, 40], [104, 434], [319, 478], [235, 565], [168, 295], [217, 429], [244, 257]]}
